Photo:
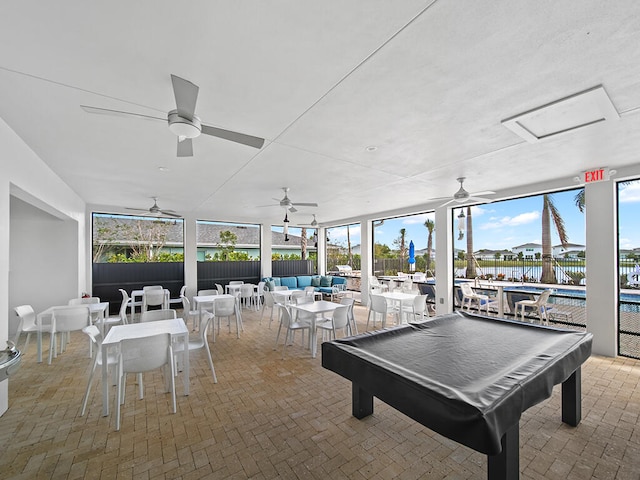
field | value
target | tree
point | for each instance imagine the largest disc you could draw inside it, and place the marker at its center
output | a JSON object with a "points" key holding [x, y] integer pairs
{"points": [[550, 212], [431, 226], [227, 244], [144, 238], [303, 243], [400, 242], [350, 257], [471, 265]]}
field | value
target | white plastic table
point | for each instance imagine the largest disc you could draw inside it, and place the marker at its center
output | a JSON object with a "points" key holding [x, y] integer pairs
{"points": [[175, 327], [317, 308]]}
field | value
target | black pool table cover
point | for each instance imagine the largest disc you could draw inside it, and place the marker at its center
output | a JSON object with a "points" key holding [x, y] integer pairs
{"points": [[467, 378]]}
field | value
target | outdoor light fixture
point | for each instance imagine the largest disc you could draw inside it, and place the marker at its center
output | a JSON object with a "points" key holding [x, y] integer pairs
{"points": [[286, 227], [461, 219]]}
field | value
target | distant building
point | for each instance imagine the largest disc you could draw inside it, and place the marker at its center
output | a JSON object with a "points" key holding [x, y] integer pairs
{"points": [[528, 250], [487, 254], [562, 251]]}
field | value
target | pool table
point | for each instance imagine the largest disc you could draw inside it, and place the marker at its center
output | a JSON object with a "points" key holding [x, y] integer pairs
{"points": [[466, 377]]}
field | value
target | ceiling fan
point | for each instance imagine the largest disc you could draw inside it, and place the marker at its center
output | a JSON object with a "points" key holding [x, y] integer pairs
{"points": [[462, 196], [313, 224], [183, 122], [286, 202], [155, 210]]}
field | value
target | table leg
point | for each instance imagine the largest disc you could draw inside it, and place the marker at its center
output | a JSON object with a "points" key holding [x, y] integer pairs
{"points": [[313, 337], [572, 398], [361, 402], [39, 346], [105, 382], [506, 464], [185, 360]]}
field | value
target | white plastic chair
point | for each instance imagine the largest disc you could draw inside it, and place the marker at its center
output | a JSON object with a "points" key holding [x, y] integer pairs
{"points": [[270, 303], [154, 315], [246, 295], [375, 283], [198, 343], [378, 305], [349, 302], [65, 320], [84, 300], [339, 321], [539, 306], [258, 295], [207, 292], [141, 355], [469, 297], [220, 289], [112, 360], [154, 296], [225, 308], [26, 324], [418, 308], [290, 327], [236, 282], [121, 319], [178, 300], [189, 314]]}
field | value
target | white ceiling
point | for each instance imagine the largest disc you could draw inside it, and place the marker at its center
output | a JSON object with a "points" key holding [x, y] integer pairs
{"points": [[426, 82]]}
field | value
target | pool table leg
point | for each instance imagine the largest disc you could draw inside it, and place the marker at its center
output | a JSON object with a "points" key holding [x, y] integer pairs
{"points": [[572, 399], [506, 465], [361, 401]]}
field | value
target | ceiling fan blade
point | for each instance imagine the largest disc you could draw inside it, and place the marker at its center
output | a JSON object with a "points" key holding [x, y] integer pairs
{"points": [[249, 140], [185, 148], [118, 113], [186, 94], [486, 192], [297, 204], [170, 213], [480, 199], [447, 203], [137, 209], [293, 209]]}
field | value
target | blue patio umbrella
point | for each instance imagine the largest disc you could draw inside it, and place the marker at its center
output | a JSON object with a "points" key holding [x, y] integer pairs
{"points": [[412, 256]]}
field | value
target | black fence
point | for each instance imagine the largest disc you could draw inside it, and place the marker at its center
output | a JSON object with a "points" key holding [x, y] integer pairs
{"points": [[291, 268], [210, 273], [108, 278]]}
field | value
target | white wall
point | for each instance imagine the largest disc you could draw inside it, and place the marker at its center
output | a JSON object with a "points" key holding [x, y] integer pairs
{"points": [[23, 175]]}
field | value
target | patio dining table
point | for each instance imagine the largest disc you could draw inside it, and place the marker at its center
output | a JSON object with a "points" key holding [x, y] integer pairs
{"points": [[202, 301], [316, 309]]}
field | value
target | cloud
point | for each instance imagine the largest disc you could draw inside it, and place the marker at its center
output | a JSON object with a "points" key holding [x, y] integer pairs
{"points": [[419, 219], [630, 193], [340, 233], [522, 219]]}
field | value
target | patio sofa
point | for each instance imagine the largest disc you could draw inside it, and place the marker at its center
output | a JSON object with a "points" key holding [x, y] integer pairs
{"points": [[320, 283]]}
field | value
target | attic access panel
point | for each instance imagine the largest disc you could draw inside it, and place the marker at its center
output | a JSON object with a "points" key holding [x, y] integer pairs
{"points": [[567, 114]]}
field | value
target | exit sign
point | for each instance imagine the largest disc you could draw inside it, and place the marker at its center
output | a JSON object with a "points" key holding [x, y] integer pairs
{"points": [[597, 175]]}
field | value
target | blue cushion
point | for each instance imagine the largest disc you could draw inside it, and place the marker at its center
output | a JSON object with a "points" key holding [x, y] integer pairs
{"points": [[304, 281], [276, 281], [315, 281], [326, 290], [291, 282], [325, 281], [339, 280], [270, 285]]}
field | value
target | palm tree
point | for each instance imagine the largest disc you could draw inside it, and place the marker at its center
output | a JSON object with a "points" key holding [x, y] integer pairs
{"points": [[401, 243], [431, 226], [471, 265], [303, 243], [350, 255], [549, 212]]}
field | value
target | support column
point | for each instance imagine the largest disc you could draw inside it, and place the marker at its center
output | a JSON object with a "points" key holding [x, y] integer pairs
{"points": [[265, 251], [322, 251], [366, 259], [444, 261], [602, 272], [190, 255]]}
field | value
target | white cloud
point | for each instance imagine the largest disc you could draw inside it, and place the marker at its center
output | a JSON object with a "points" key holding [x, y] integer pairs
{"points": [[340, 233], [418, 219], [630, 193], [522, 219]]}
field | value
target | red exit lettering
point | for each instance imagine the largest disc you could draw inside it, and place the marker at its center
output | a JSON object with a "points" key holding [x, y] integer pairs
{"points": [[594, 176]]}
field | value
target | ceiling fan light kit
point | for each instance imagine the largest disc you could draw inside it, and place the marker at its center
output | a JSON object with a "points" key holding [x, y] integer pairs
{"points": [[183, 127]]}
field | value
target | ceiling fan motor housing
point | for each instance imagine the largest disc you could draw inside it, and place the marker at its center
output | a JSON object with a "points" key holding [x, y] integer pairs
{"points": [[183, 127]]}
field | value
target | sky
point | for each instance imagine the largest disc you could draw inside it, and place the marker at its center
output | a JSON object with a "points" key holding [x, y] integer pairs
{"points": [[509, 223]]}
